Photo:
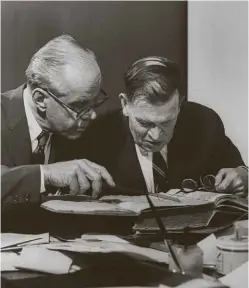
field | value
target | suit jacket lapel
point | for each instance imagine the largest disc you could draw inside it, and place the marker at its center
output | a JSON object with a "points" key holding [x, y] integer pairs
{"points": [[129, 171], [19, 138], [178, 152]]}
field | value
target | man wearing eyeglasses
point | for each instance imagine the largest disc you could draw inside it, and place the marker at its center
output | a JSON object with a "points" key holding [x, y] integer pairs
{"points": [[57, 103], [159, 140]]}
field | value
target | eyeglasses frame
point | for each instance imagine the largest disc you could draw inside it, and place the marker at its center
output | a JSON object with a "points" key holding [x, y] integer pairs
{"points": [[199, 187], [67, 107]]}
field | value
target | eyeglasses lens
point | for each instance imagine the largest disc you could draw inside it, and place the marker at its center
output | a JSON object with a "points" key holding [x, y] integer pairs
{"points": [[189, 185], [209, 182]]}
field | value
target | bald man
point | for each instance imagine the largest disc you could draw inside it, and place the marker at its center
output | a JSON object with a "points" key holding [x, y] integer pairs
{"points": [[62, 90]]}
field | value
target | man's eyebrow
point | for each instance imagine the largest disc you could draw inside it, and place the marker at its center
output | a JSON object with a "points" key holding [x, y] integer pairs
{"points": [[141, 120]]}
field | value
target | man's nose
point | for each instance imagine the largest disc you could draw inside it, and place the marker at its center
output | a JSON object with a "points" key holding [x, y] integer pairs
{"points": [[155, 133]]}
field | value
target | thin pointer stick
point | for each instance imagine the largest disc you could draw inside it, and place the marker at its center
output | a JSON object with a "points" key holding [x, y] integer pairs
{"points": [[164, 232]]}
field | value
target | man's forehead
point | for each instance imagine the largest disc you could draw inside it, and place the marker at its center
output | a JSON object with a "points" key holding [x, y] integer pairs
{"points": [[78, 83], [144, 110], [82, 77]]}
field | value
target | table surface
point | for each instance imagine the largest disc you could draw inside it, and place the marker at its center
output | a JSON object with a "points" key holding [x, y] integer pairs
{"points": [[27, 279], [121, 275]]}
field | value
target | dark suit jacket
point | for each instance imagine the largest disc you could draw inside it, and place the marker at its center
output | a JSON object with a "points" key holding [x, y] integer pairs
{"points": [[20, 180], [199, 147]]}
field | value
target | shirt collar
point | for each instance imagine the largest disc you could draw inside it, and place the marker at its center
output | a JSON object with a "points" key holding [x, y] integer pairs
{"points": [[147, 154], [34, 127]]}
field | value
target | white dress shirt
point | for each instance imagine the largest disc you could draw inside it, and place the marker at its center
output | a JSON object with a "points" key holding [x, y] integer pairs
{"points": [[146, 160], [34, 131]]}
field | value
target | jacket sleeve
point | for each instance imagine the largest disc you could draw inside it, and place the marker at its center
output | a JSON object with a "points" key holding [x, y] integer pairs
{"points": [[225, 153], [20, 184]]}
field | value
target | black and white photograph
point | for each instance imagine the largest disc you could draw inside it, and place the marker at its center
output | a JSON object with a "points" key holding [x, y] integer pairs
{"points": [[124, 144]]}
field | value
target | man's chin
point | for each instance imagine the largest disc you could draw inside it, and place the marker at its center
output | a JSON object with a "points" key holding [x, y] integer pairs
{"points": [[75, 135], [152, 148]]}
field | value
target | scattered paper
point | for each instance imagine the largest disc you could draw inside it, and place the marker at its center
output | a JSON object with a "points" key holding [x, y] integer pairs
{"points": [[149, 253], [103, 237], [8, 260], [238, 278], [208, 246], [82, 246], [110, 247], [43, 260], [9, 240]]}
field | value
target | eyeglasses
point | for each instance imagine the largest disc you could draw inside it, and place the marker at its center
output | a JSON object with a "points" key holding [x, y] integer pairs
{"points": [[83, 111], [207, 184]]}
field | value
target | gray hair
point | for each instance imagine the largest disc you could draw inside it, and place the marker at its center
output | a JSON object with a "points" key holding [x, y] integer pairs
{"points": [[47, 63], [153, 78]]}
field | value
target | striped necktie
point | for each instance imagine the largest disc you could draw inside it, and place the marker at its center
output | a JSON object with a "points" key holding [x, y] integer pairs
{"points": [[38, 156], [160, 173]]}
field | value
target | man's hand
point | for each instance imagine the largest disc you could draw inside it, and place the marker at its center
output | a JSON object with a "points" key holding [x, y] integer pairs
{"points": [[229, 180], [78, 175]]}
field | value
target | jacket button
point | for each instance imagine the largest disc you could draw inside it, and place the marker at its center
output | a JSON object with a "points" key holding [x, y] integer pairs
{"points": [[26, 197], [16, 198]]}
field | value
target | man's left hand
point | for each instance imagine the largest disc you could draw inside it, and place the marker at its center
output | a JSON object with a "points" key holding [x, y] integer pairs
{"points": [[230, 180]]}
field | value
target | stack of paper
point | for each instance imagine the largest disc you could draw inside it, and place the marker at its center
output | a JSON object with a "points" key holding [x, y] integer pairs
{"points": [[100, 243]]}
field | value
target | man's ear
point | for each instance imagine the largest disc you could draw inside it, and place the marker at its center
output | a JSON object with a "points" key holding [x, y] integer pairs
{"points": [[39, 98], [124, 103]]}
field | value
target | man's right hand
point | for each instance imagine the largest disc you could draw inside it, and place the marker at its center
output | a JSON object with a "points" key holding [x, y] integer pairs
{"points": [[78, 175]]}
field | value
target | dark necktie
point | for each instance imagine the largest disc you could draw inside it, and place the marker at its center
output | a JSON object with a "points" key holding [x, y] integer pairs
{"points": [[160, 173], [38, 156]]}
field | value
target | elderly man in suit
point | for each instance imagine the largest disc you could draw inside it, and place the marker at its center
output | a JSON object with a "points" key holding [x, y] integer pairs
{"points": [[58, 102], [158, 140]]}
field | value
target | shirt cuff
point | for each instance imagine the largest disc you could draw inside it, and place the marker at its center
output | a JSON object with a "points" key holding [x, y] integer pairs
{"points": [[243, 173], [42, 187]]}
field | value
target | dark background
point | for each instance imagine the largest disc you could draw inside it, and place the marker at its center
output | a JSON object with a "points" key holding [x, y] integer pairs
{"points": [[118, 32]]}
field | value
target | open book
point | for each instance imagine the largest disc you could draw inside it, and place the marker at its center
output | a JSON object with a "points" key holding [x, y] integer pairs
{"points": [[195, 210], [226, 208], [117, 205]]}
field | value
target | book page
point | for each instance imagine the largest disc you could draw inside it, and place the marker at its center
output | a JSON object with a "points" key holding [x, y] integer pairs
{"points": [[198, 195], [139, 203], [83, 207]]}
